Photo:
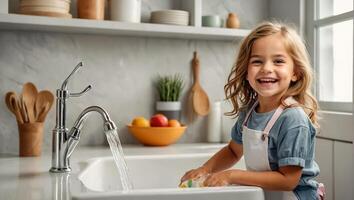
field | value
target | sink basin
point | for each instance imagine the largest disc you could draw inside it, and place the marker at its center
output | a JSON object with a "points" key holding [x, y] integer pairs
{"points": [[155, 177]]}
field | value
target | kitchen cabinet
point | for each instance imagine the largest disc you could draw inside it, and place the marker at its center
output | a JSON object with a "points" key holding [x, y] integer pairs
{"points": [[324, 158], [12, 21], [343, 170], [335, 159]]}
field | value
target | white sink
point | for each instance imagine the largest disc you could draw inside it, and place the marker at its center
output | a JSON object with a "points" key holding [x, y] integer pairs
{"points": [[155, 177]]}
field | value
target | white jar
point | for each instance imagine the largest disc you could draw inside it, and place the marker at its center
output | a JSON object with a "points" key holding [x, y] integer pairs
{"points": [[214, 123], [125, 10]]}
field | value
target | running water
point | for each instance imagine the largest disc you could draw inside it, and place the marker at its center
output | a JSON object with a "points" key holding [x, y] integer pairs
{"points": [[117, 151]]}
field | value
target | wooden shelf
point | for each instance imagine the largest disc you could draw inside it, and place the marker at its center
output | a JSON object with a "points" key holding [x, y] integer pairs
{"points": [[83, 26]]}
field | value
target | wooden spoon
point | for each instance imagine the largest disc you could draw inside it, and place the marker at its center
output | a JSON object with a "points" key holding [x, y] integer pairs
{"points": [[22, 108], [199, 96], [43, 113], [29, 95], [12, 103], [43, 98]]}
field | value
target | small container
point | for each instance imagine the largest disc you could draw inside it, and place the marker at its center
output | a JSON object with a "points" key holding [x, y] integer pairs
{"points": [[232, 21], [91, 9], [125, 10], [212, 21], [214, 123]]}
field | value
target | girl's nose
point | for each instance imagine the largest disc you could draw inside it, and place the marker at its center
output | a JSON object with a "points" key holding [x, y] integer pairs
{"points": [[267, 67]]}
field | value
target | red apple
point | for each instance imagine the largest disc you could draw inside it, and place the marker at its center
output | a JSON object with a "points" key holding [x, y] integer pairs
{"points": [[158, 120]]}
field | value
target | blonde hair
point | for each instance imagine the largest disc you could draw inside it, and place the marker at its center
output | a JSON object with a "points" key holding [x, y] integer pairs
{"points": [[240, 92]]}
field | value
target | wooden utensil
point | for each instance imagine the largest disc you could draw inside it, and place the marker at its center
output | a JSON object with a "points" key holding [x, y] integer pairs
{"points": [[43, 113], [44, 97], [200, 98], [29, 95], [12, 104], [21, 107]]}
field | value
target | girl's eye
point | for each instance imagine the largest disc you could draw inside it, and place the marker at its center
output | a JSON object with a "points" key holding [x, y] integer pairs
{"points": [[256, 62], [279, 61]]}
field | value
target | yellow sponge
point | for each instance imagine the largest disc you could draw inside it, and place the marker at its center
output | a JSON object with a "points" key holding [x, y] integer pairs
{"points": [[198, 182]]}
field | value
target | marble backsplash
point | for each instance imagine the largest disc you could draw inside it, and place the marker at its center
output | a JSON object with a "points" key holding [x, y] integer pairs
{"points": [[120, 69]]}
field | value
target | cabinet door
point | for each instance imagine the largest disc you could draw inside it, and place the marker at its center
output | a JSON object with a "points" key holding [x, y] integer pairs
{"points": [[343, 170], [324, 158]]}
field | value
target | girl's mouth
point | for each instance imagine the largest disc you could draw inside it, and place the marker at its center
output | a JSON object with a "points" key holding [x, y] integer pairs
{"points": [[267, 80]]}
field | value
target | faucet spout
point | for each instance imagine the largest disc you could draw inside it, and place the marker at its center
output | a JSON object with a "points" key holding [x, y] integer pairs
{"points": [[108, 123], [75, 132]]}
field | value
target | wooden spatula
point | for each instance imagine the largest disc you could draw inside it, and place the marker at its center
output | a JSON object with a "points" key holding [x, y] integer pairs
{"points": [[200, 98]]}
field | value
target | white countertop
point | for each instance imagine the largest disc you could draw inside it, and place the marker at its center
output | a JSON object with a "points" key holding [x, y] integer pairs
{"points": [[29, 178]]}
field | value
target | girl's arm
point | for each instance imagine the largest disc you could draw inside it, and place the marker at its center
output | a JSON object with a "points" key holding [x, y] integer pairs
{"points": [[285, 179], [225, 158]]}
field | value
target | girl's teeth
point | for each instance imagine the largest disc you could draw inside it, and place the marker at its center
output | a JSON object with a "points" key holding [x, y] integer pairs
{"points": [[267, 80]]}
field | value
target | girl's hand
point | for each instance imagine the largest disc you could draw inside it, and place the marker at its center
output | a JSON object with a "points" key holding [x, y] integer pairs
{"points": [[195, 173], [218, 179]]}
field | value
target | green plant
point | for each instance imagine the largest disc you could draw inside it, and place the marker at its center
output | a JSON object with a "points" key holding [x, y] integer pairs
{"points": [[169, 87]]}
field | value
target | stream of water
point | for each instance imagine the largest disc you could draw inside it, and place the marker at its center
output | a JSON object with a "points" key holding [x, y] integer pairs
{"points": [[118, 156]]}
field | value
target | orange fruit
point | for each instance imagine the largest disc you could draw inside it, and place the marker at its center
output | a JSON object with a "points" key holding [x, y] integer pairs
{"points": [[140, 122], [174, 123]]}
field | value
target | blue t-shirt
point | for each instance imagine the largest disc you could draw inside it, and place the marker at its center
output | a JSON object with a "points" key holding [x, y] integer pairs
{"points": [[291, 142]]}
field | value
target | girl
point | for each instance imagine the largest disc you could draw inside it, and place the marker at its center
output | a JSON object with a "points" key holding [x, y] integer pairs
{"points": [[269, 87]]}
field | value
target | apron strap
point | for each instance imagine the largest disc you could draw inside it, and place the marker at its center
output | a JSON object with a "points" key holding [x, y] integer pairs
{"points": [[288, 101], [272, 120], [249, 113]]}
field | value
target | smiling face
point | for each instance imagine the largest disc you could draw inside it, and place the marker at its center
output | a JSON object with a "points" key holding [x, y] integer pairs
{"points": [[270, 68]]}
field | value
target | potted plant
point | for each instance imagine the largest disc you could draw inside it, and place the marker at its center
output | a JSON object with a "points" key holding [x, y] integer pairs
{"points": [[169, 89]]}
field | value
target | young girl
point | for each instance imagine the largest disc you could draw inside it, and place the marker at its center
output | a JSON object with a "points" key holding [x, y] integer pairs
{"points": [[269, 87]]}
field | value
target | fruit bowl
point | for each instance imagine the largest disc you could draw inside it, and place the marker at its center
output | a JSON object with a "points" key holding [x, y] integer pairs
{"points": [[157, 136]]}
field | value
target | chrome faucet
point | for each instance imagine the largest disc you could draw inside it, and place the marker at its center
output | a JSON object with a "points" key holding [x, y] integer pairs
{"points": [[64, 142]]}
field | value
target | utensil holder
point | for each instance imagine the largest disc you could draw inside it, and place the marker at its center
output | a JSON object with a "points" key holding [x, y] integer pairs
{"points": [[30, 139]]}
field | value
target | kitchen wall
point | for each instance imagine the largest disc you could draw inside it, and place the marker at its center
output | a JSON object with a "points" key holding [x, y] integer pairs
{"points": [[120, 69]]}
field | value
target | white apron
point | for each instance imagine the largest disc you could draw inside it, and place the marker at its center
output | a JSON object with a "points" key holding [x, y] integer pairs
{"points": [[255, 150]]}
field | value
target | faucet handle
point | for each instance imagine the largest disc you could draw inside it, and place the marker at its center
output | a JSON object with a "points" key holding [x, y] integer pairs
{"points": [[64, 85], [82, 92]]}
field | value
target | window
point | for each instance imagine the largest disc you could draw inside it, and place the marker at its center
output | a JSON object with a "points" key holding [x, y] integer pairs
{"points": [[330, 34]]}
